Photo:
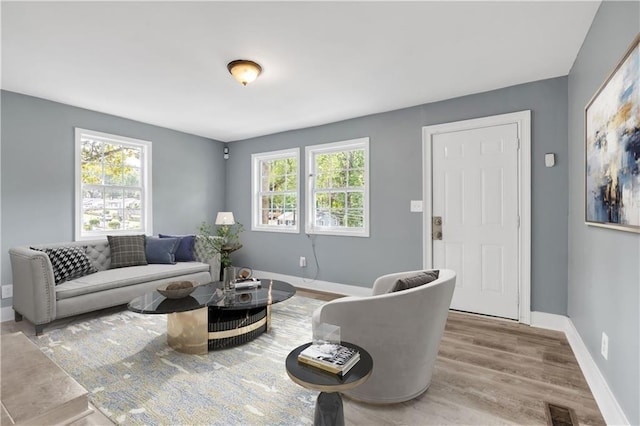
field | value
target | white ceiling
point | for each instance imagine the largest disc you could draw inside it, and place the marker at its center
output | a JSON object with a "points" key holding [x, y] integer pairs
{"points": [[164, 63]]}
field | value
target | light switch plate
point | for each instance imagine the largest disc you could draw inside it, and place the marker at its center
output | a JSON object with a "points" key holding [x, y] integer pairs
{"points": [[416, 205]]}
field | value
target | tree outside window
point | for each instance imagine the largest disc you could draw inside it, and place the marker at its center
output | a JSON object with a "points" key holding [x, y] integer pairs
{"points": [[113, 184], [275, 188], [338, 173]]}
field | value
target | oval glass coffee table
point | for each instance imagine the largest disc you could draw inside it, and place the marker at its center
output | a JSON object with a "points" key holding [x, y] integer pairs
{"points": [[208, 319], [329, 409]]}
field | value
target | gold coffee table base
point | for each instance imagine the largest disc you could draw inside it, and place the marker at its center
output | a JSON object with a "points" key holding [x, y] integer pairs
{"points": [[187, 331]]}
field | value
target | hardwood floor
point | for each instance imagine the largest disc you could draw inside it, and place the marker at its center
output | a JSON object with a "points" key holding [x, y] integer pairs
{"points": [[489, 372]]}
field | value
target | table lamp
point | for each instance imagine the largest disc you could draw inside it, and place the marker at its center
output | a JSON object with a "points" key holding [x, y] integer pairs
{"points": [[225, 218]]}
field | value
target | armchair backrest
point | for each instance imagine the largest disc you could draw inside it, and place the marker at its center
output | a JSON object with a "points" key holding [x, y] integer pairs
{"points": [[401, 331]]}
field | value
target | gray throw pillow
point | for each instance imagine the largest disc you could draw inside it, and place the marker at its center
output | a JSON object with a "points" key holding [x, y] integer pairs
{"points": [[415, 280], [68, 263], [161, 250], [127, 250]]}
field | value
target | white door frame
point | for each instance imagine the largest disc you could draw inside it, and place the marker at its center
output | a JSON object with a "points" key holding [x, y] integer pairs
{"points": [[523, 120]]}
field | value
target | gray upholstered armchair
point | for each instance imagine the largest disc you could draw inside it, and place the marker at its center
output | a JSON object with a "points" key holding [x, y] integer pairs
{"points": [[401, 331]]}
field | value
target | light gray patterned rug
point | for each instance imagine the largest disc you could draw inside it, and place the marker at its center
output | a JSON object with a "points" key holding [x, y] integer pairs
{"points": [[133, 377]]}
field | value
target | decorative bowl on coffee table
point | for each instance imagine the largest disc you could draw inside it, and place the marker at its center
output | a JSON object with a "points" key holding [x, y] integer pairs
{"points": [[177, 293]]}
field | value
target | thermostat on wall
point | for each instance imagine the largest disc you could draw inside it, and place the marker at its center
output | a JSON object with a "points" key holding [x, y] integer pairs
{"points": [[549, 160]]}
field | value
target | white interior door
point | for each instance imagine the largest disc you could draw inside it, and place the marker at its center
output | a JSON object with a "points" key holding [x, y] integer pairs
{"points": [[475, 192]]}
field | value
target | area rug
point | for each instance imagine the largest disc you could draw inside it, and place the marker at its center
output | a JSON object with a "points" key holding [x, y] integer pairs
{"points": [[133, 377]]}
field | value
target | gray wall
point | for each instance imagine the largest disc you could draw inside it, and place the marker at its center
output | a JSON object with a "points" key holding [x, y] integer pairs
{"points": [[604, 265], [396, 173], [38, 172]]}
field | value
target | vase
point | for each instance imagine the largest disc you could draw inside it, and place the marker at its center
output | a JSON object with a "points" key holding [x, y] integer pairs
{"points": [[229, 279]]}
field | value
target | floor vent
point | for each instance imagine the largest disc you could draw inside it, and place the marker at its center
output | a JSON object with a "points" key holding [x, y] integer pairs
{"points": [[558, 415]]}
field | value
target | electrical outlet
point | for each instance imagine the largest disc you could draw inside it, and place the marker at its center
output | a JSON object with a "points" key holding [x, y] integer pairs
{"points": [[7, 291], [604, 347], [415, 206], [303, 262]]}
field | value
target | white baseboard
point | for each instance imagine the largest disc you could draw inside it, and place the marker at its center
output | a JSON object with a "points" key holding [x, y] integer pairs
{"points": [[6, 314], [611, 410], [329, 287], [549, 321]]}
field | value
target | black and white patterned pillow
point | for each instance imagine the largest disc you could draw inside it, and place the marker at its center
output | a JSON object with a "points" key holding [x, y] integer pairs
{"points": [[127, 250], [68, 262]]}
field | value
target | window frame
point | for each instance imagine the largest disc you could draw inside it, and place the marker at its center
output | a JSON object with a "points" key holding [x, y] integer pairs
{"points": [[328, 148], [256, 191], [146, 183]]}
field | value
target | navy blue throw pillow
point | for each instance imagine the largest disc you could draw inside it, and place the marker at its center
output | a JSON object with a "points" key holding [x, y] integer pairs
{"points": [[184, 253], [161, 250]]}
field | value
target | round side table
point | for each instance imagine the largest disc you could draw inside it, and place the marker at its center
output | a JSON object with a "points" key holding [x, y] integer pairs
{"points": [[329, 409]]}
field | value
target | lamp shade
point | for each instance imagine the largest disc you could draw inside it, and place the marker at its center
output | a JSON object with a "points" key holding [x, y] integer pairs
{"points": [[244, 71], [225, 218]]}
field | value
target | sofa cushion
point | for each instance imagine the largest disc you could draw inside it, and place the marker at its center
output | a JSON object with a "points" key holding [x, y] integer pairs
{"points": [[127, 250], [68, 262], [122, 277], [412, 281], [161, 250], [184, 253], [99, 254]]}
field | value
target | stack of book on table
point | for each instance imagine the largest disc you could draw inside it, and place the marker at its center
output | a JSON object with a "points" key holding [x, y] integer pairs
{"points": [[331, 357], [247, 283]]}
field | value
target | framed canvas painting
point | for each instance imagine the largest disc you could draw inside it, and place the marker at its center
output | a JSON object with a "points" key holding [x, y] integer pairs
{"points": [[612, 148]]}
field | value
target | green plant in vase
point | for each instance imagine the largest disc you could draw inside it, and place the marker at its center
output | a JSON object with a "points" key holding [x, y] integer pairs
{"points": [[228, 241]]}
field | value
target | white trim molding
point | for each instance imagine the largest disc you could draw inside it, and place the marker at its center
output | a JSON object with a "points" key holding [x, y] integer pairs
{"points": [[325, 286], [523, 121], [6, 314], [145, 185], [607, 402], [311, 152], [256, 189]]}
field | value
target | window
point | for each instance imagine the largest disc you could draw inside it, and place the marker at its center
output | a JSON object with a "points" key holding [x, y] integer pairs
{"points": [[275, 190], [338, 182], [113, 185]]}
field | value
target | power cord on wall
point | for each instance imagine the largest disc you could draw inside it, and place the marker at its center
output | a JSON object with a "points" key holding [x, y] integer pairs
{"points": [[315, 258]]}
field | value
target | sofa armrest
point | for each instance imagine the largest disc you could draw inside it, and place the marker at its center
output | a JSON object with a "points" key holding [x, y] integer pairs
{"points": [[34, 294], [203, 247]]}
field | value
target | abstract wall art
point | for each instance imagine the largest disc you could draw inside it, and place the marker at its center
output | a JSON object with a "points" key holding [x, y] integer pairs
{"points": [[612, 151]]}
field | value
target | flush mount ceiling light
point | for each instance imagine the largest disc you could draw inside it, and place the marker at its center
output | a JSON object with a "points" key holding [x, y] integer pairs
{"points": [[244, 71]]}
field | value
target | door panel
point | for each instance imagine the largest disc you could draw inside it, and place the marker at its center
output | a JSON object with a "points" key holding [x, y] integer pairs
{"points": [[475, 191]]}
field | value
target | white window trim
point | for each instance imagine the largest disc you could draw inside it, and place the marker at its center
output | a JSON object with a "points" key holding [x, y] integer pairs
{"points": [[310, 152], [255, 190], [146, 183]]}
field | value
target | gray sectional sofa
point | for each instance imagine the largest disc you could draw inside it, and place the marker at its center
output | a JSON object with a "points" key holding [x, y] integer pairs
{"points": [[37, 298]]}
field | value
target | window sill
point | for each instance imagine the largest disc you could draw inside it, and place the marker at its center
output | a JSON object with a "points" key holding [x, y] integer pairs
{"points": [[281, 230], [337, 232]]}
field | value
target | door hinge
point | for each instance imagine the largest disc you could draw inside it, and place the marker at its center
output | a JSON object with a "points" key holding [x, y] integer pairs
{"points": [[518, 143], [518, 221]]}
